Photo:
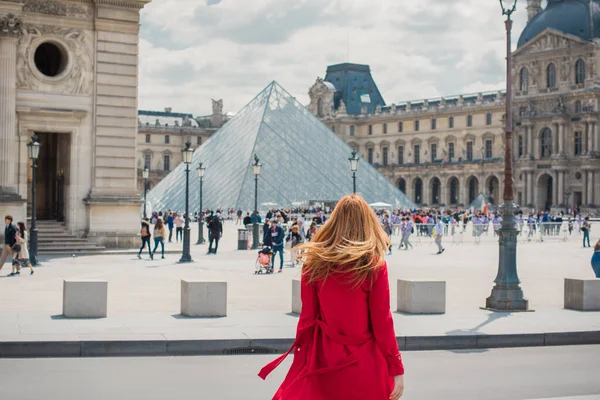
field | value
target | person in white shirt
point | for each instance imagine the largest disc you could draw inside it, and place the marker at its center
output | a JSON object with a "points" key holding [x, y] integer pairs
{"points": [[439, 233]]}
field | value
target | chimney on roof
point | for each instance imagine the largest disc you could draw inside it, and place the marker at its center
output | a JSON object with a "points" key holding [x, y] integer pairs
{"points": [[168, 109], [534, 7]]}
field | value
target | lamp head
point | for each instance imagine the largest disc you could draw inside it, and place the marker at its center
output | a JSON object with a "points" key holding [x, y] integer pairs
{"points": [[256, 166], [187, 153], [508, 7], [146, 173], [34, 148], [353, 161], [201, 169]]}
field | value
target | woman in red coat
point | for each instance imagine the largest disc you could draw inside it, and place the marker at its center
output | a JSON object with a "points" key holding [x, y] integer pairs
{"points": [[345, 345]]}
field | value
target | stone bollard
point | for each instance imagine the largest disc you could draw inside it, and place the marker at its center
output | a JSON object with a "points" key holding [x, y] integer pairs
{"points": [[85, 299], [582, 294], [421, 297], [203, 299], [296, 300]]}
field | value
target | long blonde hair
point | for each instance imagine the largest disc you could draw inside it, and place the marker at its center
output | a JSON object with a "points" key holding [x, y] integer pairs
{"points": [[352, 241]]}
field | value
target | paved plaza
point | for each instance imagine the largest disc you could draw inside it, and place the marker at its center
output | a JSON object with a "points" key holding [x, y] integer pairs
{"points": [[144, 295]]}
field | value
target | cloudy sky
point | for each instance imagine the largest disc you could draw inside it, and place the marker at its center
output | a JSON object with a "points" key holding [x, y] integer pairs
{"points": [[192, 51]]}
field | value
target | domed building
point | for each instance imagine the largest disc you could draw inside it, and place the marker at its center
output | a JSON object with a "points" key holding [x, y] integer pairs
{"points": [[447, 151]]}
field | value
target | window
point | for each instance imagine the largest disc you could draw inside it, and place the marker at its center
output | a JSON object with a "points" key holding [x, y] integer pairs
{"points": [[416, 125], [147, 160], [577, 144], [167, 139], [370, 155], [320, 107], [488, 149], [199, 140], [546, 142], [384, 128], [550, 76], [385, 156], [450, 151], [352, 130], [147, 138], [370, 129], [400, 155], [524, 80], [417, 153], [433, 124], [520, 145], [469, 120], [167, 163], [579, 72], [469, 151], [400, 127], [488, 118], [578, 106], [433, 152], [451, 122]]}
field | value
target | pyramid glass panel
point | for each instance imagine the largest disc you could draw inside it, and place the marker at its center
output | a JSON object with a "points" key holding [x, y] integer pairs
{"points": [[302, 161]]}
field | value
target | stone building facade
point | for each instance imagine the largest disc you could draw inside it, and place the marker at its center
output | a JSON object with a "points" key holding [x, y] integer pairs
{"points": [[446, 151], [68, 74]]}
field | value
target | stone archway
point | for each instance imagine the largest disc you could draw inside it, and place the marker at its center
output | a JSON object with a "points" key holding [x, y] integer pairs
{"points": [[473, 188], [418, 190], [545, 186], [492, 189], [435, 188], [401, 184], [453, 192]]}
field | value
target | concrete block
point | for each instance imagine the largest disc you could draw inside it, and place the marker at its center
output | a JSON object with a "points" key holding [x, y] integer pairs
{"points": [[41, 348], [571, 338], [512, 340], [582, 294], [203, 299], [204, 347], [296, 300], [441, 342], [85, 298], [123, 348], [421, 297]]}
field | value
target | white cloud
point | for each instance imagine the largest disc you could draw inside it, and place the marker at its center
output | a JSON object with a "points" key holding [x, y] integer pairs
{"points": [[231, 49]]}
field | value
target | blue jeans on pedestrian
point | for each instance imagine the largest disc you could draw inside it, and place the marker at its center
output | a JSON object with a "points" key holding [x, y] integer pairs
{"points": [[277, 249], [162, 243], [586, 236], [596, 263]]}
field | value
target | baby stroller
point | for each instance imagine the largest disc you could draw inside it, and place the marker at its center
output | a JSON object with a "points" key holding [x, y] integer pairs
{"points": [[263, 261]]}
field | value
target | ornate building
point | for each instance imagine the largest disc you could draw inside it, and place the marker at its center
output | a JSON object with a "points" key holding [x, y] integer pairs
{"points": [[163, 134], [68, 74], [446, 151]]}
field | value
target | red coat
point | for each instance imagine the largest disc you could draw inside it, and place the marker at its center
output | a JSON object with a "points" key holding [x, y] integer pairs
{"points": [[345, 345]]}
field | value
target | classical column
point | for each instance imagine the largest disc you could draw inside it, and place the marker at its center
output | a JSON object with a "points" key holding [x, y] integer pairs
{"points": [[590, 137], [530, 199], [590, 187], [555, 138], [10, 29], [530, 135], [561, 139], [561, 188], [537, 148], [596, 136]]}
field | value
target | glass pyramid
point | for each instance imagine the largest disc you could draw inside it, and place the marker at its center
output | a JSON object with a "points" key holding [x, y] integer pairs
{"points": [[302, 161]]}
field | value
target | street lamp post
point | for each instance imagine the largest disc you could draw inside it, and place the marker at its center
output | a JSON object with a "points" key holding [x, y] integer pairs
{"points": [[34, 152], [256, 171], [187, 153], [201, 240], [567, 196], [507, 294], [353, 167], [146, 175]]}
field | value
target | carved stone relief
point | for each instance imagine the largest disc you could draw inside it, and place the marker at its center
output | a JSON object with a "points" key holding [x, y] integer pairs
{"points": [[11, 26], [78, 79], [79, 11]]}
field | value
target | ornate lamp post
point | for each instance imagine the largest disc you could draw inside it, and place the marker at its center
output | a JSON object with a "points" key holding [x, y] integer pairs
{"points": [[507, 294], [34, 152], [201, 240], [187, 153], [146, 175], [353, 167], [567, 196], [256, 171]]}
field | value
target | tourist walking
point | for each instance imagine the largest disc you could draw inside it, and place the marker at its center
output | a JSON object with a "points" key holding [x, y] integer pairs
{"points": [[215, 229], [179, 221], [596, 259], [406, 229], [145, 232], [21, 253], [274, 238], [345, 345], [239, 217], [439, 233], [170, 225], [10, 238], [387, 228], [585, 228], [312, 231], [160, 235], [294, 239]]}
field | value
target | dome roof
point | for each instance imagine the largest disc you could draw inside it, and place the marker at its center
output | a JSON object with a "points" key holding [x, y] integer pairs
{"points": [[580, 18]]}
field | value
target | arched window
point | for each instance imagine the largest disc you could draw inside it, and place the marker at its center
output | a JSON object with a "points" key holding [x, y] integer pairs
{"points": [[320, 107], [551, 76], [546, 142], [402, 185], [579, 72], [524, 80], [418, 191], [352, 130]]}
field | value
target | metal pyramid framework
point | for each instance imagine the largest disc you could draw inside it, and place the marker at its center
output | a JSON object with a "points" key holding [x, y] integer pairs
{"points": [[302, 161]]}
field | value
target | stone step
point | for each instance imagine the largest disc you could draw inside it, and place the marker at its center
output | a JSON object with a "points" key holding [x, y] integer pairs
{"points": [[63, 244], [68, 250]]}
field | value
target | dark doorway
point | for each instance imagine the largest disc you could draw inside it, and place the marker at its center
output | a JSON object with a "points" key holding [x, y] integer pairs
{"points": [[418, 191], [435, 191], [454, 191], [473, 189]]}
